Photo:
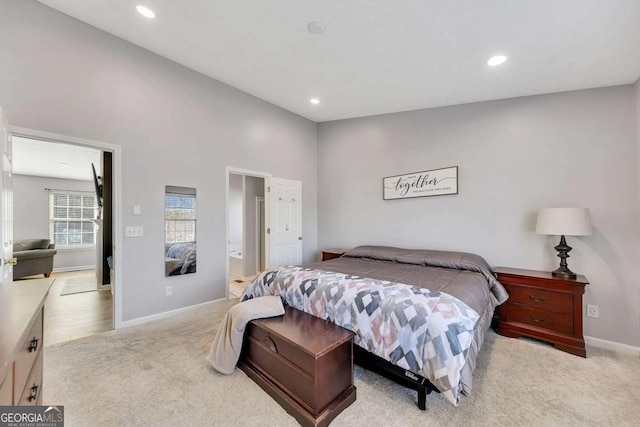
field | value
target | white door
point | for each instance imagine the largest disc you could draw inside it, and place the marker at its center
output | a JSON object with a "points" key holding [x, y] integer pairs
{"points": [[6, 204], [285, 222]]}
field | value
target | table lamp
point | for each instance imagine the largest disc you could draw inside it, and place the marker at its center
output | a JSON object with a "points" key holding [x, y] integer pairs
{"points": [[564, 222]]}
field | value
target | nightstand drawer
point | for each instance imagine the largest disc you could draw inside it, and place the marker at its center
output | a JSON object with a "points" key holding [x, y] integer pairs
{"points": [[542, 319], [542, 299]]}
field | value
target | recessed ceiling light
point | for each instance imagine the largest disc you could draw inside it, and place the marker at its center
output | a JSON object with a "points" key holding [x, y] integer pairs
{"points": [[314, 101], [145, 11], [496, 60], [315, 28]]}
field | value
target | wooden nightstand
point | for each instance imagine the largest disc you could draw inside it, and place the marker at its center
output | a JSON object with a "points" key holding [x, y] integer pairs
{"points": [[328, 254], [544, 307]]}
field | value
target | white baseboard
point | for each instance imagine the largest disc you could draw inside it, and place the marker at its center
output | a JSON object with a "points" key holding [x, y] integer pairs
{"points": [[77, 268], [170, 313], [612, 345]]}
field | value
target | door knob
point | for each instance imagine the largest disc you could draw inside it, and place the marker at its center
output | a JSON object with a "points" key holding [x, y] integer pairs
{"points": [[299, 237], [11, 261]]}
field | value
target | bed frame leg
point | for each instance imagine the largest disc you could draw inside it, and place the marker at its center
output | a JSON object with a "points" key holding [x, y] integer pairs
{"points": [[422, 397]]}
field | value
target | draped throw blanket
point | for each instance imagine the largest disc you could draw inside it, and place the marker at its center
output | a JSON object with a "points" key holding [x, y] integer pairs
{"points": [[227, 344], [425, 332]]}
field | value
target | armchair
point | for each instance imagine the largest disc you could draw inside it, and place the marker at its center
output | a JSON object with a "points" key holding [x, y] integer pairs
{"points": [[34, 256]]}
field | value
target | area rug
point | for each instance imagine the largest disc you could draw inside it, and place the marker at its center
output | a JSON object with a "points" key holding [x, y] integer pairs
{"points": [[78, 285], [156, 374]]}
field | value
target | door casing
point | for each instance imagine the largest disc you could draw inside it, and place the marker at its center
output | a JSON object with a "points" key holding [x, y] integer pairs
{"points": [[117, 234]]}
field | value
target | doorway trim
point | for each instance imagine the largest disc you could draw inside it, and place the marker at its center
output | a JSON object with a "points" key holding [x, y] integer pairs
{"points": [[116, 150], [247, 172], [260, 234]]}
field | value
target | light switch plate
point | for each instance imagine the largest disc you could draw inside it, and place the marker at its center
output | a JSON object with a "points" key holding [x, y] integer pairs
{"points": [[134, 231], [137, 210]]}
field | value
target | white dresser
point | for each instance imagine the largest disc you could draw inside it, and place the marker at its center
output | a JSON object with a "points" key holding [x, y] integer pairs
{"points": [[21, 341]]}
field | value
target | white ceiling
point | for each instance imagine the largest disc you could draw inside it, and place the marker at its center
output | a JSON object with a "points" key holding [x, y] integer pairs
{"points": [[381, 56], [53, 160]]}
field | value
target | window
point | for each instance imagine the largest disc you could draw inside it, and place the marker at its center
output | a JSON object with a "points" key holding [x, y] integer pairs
{"points": [[71, 219], [179, 215]]}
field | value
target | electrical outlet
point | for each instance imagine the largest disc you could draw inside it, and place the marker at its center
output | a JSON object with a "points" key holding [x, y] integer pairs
{"points": [[168, 291], [593, 311]]}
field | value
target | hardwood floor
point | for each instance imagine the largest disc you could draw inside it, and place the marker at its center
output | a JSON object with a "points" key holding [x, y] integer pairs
{"points": [[74, 316]]}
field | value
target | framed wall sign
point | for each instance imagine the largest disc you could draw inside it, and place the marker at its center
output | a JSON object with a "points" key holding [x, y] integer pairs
{"points": [[437, 182]]}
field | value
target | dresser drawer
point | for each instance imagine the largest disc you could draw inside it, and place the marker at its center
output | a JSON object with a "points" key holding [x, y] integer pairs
{"points": [[26, 355], [540, 318], [540, 298], [6, 386], [31, 395], [264, 356]]}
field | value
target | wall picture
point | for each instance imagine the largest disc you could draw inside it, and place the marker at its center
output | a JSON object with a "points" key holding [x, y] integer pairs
{"points": [[437, 182]]}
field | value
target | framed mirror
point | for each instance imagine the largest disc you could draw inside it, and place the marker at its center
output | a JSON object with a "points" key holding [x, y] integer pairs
{"points": [[179, 230]]}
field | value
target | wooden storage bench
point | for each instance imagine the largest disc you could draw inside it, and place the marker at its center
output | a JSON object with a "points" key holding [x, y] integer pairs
{"points": [[303, 362]]}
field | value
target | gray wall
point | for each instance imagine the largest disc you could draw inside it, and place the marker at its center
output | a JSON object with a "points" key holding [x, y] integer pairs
{"points": [[515, 156], [31, 216], [175, 127], [253, 187]]}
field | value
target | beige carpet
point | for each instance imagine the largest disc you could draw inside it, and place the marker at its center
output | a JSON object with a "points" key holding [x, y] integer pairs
{"points": [[156, 375]]}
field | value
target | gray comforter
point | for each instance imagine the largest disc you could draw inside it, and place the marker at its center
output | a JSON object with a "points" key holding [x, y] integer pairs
{"points": [[465, 276]]}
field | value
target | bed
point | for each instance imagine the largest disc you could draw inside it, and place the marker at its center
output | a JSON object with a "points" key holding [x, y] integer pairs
{"points": [[420, 316], [180, 259]]}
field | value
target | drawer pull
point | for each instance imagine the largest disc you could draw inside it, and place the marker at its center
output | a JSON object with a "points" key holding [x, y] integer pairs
{"points": [[540, 320], [541, 299], [34, 393], [33, 345]]}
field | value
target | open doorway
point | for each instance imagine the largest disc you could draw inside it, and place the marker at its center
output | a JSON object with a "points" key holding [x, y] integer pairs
{"points": [[264, 225], [247, 234], [60, 203]]}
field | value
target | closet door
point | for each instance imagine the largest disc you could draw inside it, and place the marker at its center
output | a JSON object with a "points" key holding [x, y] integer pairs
{"points": [[285, 222]]}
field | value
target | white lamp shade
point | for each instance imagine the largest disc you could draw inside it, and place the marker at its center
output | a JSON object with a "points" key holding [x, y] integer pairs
{"points": [[564, 222]]}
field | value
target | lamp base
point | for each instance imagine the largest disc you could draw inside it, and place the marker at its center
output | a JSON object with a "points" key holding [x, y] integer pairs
{"points": [[563, 253], [564, 273]]}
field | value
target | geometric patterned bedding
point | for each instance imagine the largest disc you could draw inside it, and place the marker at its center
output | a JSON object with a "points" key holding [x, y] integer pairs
{"points": [[425, 332]]}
